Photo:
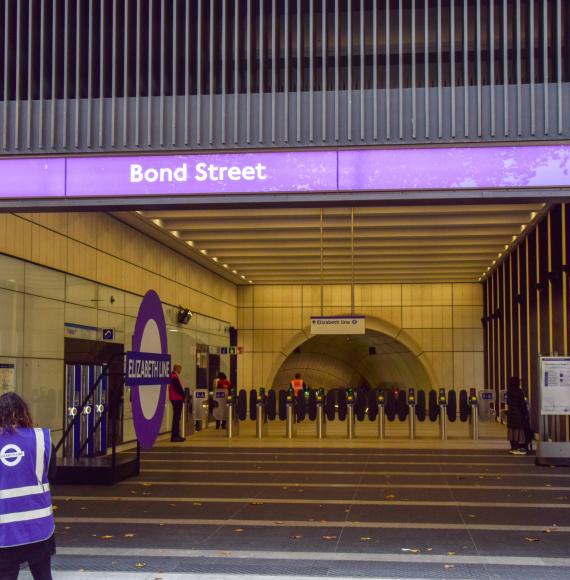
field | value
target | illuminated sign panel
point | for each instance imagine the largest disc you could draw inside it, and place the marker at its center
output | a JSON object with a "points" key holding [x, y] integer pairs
{"points": [[401, 169]]}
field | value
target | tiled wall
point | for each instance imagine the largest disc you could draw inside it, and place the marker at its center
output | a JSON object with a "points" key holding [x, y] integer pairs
{"points": [[81, 261], [443, 319]]}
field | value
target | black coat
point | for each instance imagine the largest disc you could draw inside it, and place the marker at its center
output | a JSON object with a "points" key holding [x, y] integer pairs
{"points": [[517, 416]]}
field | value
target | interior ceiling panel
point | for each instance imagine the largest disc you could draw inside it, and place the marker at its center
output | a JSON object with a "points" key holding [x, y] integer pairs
{"points": [[455, 243]]}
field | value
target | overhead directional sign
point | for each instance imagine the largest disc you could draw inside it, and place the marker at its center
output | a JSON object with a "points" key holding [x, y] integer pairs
{"points": [[338, 325]]}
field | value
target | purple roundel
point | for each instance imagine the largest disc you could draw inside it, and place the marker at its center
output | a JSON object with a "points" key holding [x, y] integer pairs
{"points": [[148, 369]]}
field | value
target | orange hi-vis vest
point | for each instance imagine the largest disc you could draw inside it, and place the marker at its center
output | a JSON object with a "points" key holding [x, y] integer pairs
{"points": [[297, 385]]}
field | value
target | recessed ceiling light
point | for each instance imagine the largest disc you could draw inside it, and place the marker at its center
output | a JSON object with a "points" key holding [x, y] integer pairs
{"points": [[488, 268], [190, 243], [533, 214], [214, 258], [506, 246], [251, 281], [500, 254], [204, 252], [139, 212], [157, 222], [523, 226], [494, 262], [176, 233], [514, 238], [234, 272], [242, 276], [225, 266]]}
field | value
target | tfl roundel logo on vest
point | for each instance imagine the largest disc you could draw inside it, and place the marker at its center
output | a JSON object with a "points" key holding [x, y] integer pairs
{"points": [[11, 455], [148, 369]]}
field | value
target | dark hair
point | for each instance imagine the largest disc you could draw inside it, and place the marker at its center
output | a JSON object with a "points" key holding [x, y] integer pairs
{"points": [[14, 412], [513, 384], [221, 376]]}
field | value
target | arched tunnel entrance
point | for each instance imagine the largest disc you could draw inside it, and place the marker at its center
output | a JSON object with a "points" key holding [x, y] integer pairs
{"points": [[374, 359]]}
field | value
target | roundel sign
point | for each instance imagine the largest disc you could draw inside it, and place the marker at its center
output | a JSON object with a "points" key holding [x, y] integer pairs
{"points": [[148, 369]]}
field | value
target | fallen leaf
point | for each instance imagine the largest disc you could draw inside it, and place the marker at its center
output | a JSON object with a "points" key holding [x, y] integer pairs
{"points": [[106, 537], [451, 553], [365, 539], [196, 503], [412, 550], [140, 565], [447, 566], [471, 516], [390, 496], [329, 537], [130, 535], [429, 549], [532, 539], [238, 530]]}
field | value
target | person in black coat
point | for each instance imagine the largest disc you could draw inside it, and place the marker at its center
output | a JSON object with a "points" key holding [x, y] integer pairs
{"points": [[518, 423]]}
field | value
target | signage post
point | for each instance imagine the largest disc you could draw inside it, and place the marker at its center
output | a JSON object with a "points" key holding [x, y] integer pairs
{"points": [[554, 401]]}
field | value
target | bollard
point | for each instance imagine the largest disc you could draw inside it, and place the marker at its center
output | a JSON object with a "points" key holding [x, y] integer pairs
{"points": [[205, 414], [289, 423], [475, 422], [321, 433], [381, 422], [350, 420], [260, 420]]}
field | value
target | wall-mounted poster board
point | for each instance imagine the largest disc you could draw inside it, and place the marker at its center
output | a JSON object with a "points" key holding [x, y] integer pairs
{"points": [[554, 391]]}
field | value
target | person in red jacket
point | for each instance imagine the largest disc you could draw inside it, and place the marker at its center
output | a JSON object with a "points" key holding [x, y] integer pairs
{"points": [[176, 395]]}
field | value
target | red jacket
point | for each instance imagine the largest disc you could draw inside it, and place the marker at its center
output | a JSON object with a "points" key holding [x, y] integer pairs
{"points": [[224, 384], [175, 389]]}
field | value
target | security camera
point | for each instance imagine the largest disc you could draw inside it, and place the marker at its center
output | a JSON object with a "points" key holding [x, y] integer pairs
{"points": [[184, 316]]}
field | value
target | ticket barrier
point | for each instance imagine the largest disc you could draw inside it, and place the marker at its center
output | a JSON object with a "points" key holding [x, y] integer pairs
{"points": [[321, 421], [350, 414], [474, 408], [89, 434], [411, 413], [232, 421], [442, 402], [290, 427], [220, 411], [200, 408], [261, 416], [381, 400]]}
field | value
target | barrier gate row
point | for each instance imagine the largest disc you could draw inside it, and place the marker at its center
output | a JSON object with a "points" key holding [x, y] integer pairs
{"points": [[382, 406]]}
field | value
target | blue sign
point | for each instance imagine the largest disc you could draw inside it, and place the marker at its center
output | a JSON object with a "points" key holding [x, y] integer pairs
{"points": [[108, 334], [487, 396], [200, 395]]}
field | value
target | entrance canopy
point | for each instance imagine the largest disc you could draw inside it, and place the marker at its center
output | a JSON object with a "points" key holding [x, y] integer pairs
{"points": [[383, 244]]}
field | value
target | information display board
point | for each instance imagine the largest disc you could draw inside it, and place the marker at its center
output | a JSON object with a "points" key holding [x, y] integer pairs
{"points": [[555, 385]]}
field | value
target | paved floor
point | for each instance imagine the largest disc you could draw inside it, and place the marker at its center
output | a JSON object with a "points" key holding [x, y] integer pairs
{"points": [[215, 509]]}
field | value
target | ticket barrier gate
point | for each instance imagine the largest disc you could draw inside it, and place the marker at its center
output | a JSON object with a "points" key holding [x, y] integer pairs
{"points": [[321, 421], [200, 408], [232, 421], [442, 402], [220, 411], [474, 408], [411, 414], [89, 434], [261, 416], [349, 414], [290, 426], [381, 400]]}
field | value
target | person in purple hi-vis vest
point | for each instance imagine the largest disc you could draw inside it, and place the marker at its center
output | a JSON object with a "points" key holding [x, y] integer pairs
{"points": [[27, 460]]}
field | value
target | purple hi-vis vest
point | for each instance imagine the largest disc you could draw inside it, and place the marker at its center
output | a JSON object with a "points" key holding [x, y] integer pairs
{"points": [[26, 514]]}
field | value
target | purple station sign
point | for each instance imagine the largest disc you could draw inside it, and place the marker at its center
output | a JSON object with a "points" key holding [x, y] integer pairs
{"points": [[398, 169]]}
